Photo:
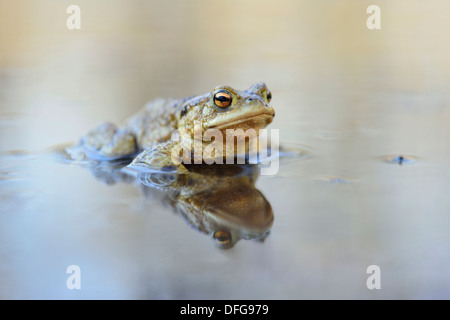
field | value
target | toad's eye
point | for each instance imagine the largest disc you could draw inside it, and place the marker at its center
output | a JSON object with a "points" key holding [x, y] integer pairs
{"points": [[269, 96], [222, 99], [222, 237]]}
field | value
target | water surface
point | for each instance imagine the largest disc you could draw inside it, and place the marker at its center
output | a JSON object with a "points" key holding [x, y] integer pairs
{"points": [[354, 100]]}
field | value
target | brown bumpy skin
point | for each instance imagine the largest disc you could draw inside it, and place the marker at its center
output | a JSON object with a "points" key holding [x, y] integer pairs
{"points": [[150, 130]]}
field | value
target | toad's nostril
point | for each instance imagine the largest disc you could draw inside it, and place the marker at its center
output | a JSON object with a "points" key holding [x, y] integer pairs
{"points": [[250, 99]]}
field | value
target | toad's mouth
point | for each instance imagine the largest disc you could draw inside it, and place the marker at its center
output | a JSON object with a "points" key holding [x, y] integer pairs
{"points": [[259, 120]]}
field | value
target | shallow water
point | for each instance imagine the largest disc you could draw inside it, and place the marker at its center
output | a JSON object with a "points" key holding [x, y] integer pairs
{"points": [[369, 109]]}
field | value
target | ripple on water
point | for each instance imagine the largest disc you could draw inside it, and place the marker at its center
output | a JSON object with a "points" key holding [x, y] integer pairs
{"points": [[291, 151], [333, 180], [6, 176]]}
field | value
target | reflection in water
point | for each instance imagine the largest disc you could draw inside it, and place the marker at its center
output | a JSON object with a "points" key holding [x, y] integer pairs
{"points": [[219, 200]]}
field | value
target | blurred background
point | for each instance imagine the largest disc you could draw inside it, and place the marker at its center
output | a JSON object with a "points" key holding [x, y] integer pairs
{"points": [[349, 97]]}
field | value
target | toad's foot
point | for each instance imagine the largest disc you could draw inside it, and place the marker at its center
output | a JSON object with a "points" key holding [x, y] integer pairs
{"points": [[107, 142], [158, 158]]}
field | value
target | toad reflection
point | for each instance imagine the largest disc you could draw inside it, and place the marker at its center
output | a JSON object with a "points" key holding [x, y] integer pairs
{"points": [[218, 200]]}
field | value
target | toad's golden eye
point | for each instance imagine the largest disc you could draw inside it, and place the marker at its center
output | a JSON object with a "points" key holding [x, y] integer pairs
{"points": [[269, 96], [222, 99], [222, 238]]}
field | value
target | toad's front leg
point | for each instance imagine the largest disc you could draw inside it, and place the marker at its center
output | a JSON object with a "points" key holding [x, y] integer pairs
{"points": [[107, 142], [163, 157]]}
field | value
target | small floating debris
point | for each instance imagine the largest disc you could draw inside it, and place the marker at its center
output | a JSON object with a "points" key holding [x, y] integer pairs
{"points": [[399, 159]]}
